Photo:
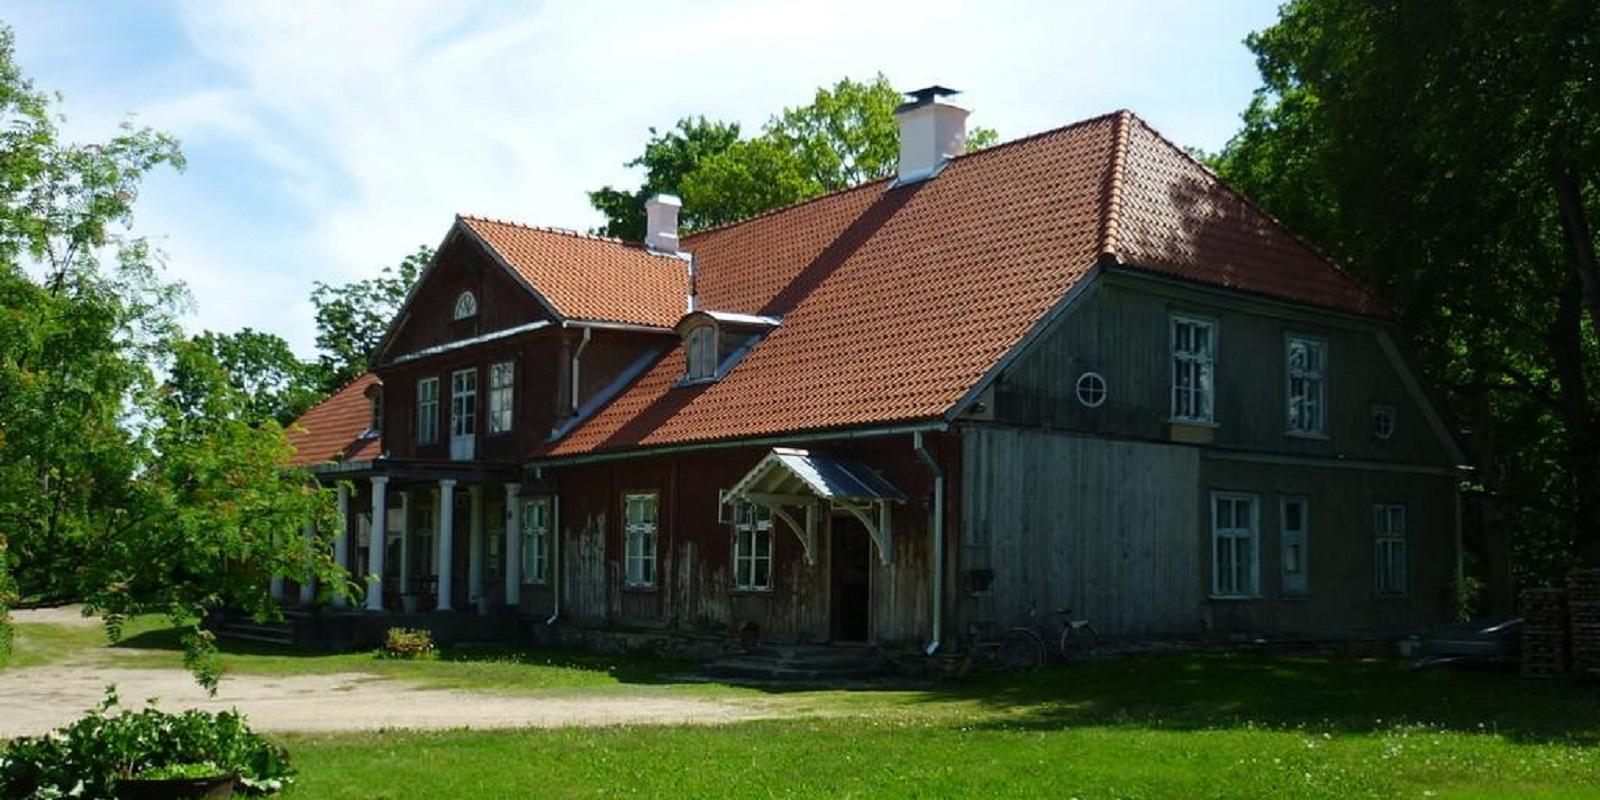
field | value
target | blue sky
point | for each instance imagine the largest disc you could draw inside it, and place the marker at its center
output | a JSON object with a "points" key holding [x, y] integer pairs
{"points": [[327, 140]]}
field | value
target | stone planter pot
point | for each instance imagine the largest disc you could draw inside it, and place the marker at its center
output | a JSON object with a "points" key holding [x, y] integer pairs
{"points": [[176, 789]]}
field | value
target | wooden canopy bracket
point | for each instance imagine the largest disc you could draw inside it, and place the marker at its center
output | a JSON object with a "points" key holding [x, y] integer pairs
{"points": [[807, 533], [881, 530]]}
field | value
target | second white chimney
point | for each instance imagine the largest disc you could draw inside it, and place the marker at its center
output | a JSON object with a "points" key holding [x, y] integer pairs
{"points": [[931, 133], [661, 223]]}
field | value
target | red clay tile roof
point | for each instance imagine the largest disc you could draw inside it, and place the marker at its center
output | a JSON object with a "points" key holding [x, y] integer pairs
{"points": [[590, 277], [897, 301], [332, 430]]}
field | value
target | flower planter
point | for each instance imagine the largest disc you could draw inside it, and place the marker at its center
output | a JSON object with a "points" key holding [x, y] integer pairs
{"points": [[176, 788]]}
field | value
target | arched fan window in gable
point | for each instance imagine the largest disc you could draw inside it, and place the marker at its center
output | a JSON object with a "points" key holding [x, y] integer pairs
{"points": [[466, 305]]}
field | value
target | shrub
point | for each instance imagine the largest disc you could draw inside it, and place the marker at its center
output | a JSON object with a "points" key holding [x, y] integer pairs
{"points": [[86, 758], [407, 643]]}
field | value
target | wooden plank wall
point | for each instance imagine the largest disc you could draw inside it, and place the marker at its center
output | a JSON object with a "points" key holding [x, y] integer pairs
{"points": [[1103, 527]]}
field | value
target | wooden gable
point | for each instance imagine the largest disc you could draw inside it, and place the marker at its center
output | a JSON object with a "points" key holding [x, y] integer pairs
{"points": [[430, 319]]}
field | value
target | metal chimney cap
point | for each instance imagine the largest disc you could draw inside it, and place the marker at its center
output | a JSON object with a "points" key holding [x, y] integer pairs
{"points": [[922, 97]]}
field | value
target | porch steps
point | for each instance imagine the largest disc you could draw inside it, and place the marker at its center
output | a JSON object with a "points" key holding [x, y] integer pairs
{"points": [[800, 663], [244, 629]]}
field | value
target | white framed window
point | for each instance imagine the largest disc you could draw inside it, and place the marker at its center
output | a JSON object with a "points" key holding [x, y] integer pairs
{"points": [[375, 423], [752, 547], [641, 523], [1091, 389], [536, 541], [1234, 522], [502, 379], [700, 349], [466, 305], [1294, 515], [1383, 421], [1307, 363], [1389, 547], [463, 414], [1194, 346], [427, 411]]}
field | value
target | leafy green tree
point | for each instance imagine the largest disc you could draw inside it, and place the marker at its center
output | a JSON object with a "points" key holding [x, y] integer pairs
{"points": [[272, 382], [1448, 153], [352, 317], [846, 136], [130, 494]]}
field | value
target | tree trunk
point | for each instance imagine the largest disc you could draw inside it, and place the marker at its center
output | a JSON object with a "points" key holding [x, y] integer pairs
{"points": [[1565, 339]]}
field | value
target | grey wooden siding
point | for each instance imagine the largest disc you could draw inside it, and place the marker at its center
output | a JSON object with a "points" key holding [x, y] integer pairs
{"points": [[1100, 526], [1121, 329]]}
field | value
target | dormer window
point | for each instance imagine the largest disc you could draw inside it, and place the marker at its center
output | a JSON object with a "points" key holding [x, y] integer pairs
{"points": [[466, 305], [374, 411], [700, 348]]}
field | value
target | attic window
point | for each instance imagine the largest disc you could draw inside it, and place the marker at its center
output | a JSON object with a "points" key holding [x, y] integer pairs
{"points": [[700, 349], [466, 305]]}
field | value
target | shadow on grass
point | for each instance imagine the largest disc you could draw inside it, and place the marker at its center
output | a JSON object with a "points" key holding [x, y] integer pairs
{"points": [[1210, 691]]}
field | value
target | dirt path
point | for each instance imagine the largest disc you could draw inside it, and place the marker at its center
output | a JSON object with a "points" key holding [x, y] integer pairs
{"points": [[36, 699]]}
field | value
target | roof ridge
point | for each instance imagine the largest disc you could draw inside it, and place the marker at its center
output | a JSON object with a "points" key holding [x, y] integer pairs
{"points": [[839, 192], [1374, 297], [1112, 203], [569, 232]]}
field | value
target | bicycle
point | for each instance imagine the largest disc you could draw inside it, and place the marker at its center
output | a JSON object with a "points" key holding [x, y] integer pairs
{"points": [[1023, 649]]}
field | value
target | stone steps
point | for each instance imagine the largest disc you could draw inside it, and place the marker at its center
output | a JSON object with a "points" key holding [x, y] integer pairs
{"points": [[800, 663], [248, 630]]}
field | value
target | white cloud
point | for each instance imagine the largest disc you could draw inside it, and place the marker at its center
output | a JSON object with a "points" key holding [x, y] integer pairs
{"points": [[327, 140]]}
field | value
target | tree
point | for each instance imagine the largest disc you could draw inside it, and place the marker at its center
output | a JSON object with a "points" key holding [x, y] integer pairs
{"points": [[271, 382], [1448, 153], [115, 488], [846, 136], [352, 318]]}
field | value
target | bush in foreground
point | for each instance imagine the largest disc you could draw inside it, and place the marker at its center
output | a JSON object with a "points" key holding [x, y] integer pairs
{"points": [[412, 644], [87, 758]]}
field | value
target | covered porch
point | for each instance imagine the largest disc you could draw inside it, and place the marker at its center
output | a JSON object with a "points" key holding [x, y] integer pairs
{"points": [[420, 538]]}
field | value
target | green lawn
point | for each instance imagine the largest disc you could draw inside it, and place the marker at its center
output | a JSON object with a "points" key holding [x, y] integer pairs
{"points": [[1178, 726]]}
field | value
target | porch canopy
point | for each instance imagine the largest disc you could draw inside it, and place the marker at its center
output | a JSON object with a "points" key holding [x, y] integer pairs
{"points": [[816, 483]]}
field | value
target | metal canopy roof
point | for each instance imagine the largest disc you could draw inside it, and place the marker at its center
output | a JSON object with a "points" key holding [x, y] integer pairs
{"points": [[789, 471]]}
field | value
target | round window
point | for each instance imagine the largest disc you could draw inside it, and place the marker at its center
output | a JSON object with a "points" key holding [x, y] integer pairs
{"points": [[1091, 389], [1383, 421]]}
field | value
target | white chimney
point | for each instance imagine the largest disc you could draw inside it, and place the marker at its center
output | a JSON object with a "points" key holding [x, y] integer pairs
{"points": [[661, 223], [931, 133]]}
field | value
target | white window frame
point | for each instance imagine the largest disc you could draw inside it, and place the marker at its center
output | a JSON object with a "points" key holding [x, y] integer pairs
{"points": [[1091, 389], [1391, 568], [641, 529], [502, 396], [752, 528], [463, 413], [1306, 386], [466, 305], [1381, 410], [1193, 374], [536, 541], [375, 420], [1244, 541], [1297, 541], [428, 410], [700, 353]]}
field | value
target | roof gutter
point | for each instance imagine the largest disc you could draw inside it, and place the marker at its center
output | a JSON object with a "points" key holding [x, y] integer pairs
{"points": [[798, 437], [938, 542]]}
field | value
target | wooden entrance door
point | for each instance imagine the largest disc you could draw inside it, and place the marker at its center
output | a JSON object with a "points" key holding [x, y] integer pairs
{"points": [[850, 554]]}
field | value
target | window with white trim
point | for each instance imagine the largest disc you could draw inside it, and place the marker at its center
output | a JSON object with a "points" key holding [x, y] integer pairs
{"points": [[1233, 545], [536, 541], [1383, 420], [375, 423], [700, 348], [1307, 386], [464, 403], [427, 411], [466, 305], [1294, 516], [641, 524], [502, 378], [752, 547], [1091, 389], [1389, 547], [1193, 365]]}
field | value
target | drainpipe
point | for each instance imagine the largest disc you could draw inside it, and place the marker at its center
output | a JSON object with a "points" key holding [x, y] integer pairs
{"points": [[555, 550], [576, 354], [938, 540]]}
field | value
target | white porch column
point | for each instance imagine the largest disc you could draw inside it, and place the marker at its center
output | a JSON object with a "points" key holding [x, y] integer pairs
{"points": [[447, 532], [475, 546], [308, 588], [405, 543], [513, 544], [378, 542], [341, 544]]}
